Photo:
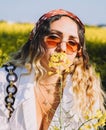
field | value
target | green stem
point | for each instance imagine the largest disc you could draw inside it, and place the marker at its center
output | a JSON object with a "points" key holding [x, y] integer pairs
{"points": [[61, 87], [85, 123]]}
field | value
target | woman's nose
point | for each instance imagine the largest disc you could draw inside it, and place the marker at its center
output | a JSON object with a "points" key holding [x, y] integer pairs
{"points": [[61, 47]]}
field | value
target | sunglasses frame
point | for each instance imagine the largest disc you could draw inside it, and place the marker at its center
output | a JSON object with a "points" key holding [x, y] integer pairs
{"points": [[69, 47]]}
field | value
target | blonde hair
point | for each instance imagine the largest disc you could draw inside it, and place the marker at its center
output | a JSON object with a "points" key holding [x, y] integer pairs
{"points": [[87, 89]]}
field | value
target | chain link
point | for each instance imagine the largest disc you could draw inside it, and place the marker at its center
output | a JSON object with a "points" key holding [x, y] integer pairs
{"points": [[11, 88]]}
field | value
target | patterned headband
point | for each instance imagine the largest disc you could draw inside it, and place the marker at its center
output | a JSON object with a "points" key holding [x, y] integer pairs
{"points": [[54, 13]]}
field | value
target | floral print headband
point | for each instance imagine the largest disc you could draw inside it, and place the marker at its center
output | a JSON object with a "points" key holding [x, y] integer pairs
{"points": [[54, 13]]}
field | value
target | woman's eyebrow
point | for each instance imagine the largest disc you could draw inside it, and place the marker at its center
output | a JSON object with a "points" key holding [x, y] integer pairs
{"points": [[73, 37], [61, 34], [56, 31]]}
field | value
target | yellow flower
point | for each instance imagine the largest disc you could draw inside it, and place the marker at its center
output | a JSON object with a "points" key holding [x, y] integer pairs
{"points": [[59, 60], [55, 128], [87, 127], [50, 73], [98, 114], [95, 121]]}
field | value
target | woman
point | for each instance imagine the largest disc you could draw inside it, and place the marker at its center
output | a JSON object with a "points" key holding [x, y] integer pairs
{"points": [[49, 83]]}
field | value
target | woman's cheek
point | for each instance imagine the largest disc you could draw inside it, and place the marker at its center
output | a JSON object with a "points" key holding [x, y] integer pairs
{"points": [[72, 57]]}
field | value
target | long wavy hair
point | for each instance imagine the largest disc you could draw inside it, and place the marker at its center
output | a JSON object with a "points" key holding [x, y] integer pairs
{"points": [[86, 83]]}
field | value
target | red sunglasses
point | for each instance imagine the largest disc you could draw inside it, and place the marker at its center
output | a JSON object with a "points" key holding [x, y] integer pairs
{"points": [[53, 40]]}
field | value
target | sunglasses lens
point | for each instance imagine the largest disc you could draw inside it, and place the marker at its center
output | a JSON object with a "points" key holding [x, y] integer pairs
{"points": [[52, 41], [72, 46]]}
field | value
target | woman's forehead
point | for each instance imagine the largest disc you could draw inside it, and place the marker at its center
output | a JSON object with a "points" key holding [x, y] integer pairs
{"points": [[66, 26]]}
